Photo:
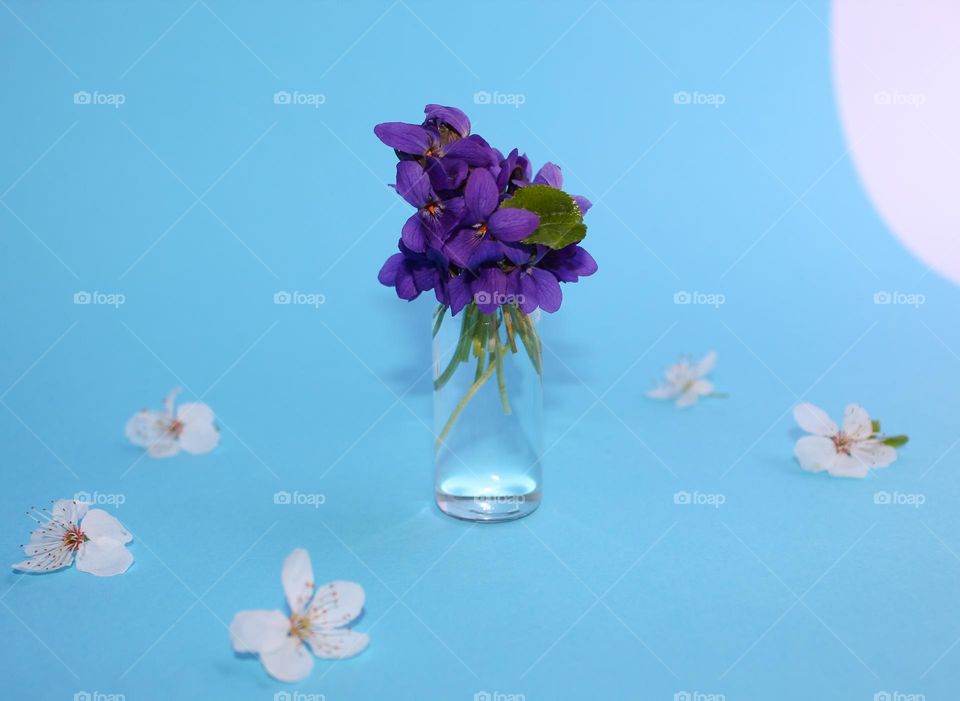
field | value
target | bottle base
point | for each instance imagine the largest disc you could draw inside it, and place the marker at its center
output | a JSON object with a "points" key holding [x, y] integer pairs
{"points": [[488, 509]]}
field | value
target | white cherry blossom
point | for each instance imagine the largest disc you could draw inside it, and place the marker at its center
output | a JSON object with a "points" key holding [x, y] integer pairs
{"points": [[165, 433], [849, 451], [283, 642], [685, 381], [70, 531]]}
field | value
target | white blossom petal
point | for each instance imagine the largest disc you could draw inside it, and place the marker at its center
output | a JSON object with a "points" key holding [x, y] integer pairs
{"points": [[848, 466], [664, 392], [815, 420], [258, 631], [689, 397], [169, 400], [856, 423], [197, 439], [874, 453], [706, 364], [702, 387], [290, 662], [679, 374], [146, 427], [69, 510], [104, 557], [336, 604], [195, 413], [338, 644], [815, 453], [165, 447], [99, 524], [40, 565], [297, 578]]}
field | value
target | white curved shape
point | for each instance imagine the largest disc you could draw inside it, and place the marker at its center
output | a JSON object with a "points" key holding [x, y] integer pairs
{"points": [[896, 68]]}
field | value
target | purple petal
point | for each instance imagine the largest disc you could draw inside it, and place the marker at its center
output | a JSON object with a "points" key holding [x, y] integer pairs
{"points": [[458, 292], [450, 116], [489, 289], [550, 175], [583, 203], [446, 173], [513, 285], [517, 253], [437, 259], [472, 151], [408, 138], [413, 184], [512, 224], [406, 287], [569, 263], [521, 172], [481, 194], [549, 295], [506, 169], [425, 277], [582, 262], [454, 207], [388, 273], [489, 251], [413, 235], [527, 298], [446, 219], [461, 246]]}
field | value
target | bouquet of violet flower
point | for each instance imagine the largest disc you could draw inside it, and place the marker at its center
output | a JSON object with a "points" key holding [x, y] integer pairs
{"points": [[492, 242]]}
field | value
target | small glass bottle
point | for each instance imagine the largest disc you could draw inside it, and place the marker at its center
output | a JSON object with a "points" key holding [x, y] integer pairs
{"points": [[487, 405]]}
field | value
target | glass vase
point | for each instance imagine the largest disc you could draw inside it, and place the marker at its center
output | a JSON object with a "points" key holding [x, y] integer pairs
{"points": [[487, 407]]}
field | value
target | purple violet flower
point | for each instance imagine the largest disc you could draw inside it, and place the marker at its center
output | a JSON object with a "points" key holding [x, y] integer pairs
{"points": [[411, 272], [461, 243], [435, 218], [488, 232]]}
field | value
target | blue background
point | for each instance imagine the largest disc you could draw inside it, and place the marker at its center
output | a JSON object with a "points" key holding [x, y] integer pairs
{"points": [[200, 198]]}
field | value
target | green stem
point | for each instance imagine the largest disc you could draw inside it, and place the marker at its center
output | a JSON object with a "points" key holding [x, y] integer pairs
{"points": [[463, 404], [499, 348], [479, 350], [509, 329], [438, 318], [462, 352], [528, 335], [480, 336]]}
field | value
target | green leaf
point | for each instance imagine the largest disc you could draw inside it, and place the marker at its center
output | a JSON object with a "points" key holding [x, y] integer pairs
{"points": [[876, 426], [895, 441], [561, 221]]}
